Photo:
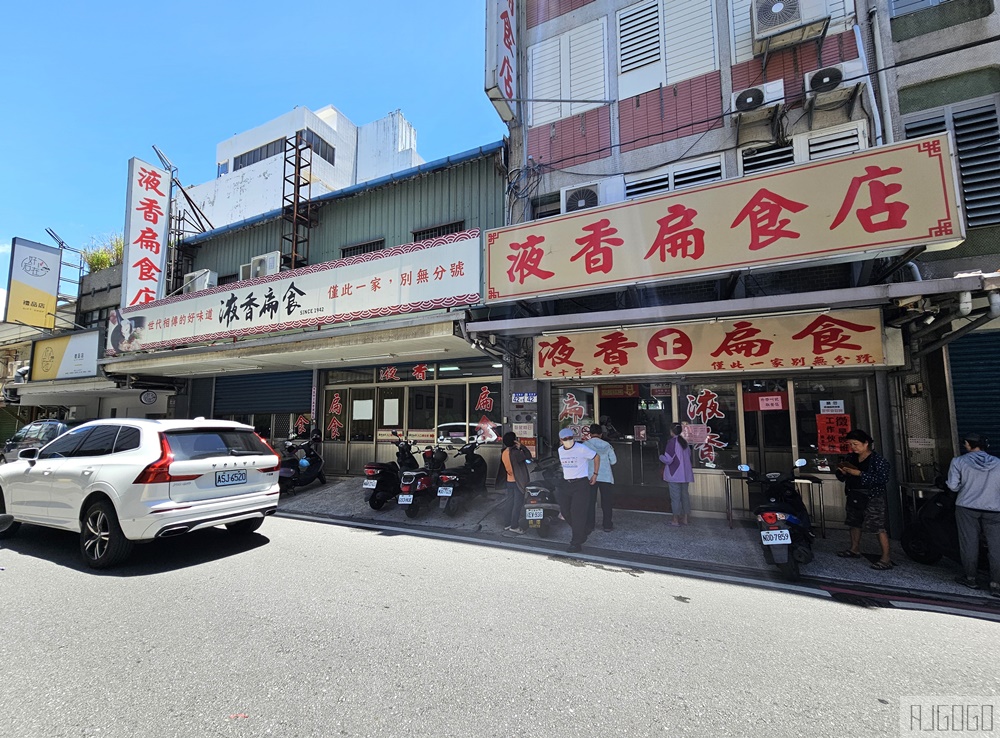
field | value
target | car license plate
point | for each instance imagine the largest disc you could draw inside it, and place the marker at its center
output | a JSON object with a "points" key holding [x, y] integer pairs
{"points": [[534, 514], [776, 537], [369, 484], [444, 491], [229, 478], [405, 499]]}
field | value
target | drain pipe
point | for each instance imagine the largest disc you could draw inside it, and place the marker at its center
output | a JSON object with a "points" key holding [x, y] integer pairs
{"points": [[914, 271], [883, 85], [871, 94]]}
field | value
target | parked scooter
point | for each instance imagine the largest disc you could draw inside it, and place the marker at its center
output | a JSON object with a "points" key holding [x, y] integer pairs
{"points": [[462, 481], [301, 465], [541, 510], [933, 532], [785, 528], [382, 480], [417, 487]]}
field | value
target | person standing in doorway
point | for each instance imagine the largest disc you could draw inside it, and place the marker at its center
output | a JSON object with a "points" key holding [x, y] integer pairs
{"points": [[605, 480], [678, 473], [579, 479], [865, 474], [975, 476], [514, 462]]}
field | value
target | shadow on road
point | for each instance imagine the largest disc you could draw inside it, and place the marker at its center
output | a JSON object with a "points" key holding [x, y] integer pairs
{"points": [[155, 557]]}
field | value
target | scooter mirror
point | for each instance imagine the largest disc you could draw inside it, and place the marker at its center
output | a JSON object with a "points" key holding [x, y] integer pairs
{"points": [[800, 462], [743, 468]]}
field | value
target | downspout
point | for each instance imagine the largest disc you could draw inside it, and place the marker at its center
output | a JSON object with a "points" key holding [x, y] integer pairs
{"points": [[883, 85], [991, 314], [871, 94]]}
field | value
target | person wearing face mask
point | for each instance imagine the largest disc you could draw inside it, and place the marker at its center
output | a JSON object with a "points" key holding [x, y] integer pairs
{"points": [[574, 458]]}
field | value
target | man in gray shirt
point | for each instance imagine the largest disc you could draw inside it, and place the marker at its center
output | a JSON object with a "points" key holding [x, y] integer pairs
{"points": [[975, 476]]}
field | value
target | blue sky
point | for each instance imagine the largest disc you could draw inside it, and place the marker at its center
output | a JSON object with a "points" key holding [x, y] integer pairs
{"points": [[86, 86]]}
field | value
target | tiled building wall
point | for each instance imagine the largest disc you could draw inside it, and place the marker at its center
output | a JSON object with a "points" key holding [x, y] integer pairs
{"points": [[539, 11], [675, 111], [575, 140]]}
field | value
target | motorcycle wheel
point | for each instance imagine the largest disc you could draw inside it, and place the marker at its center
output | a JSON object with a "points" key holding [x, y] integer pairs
{"points": [[790, 570], [412, 510], [375, 502], [545, 529], [321, 477], [451, 507], [918, 545]]}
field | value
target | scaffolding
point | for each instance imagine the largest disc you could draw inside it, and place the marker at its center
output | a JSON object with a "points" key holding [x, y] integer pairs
{"points": [[296, 210]]}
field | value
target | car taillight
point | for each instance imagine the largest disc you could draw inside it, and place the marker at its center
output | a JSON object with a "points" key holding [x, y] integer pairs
{"points": [[277, 466], [159, 471], [769, 517]]}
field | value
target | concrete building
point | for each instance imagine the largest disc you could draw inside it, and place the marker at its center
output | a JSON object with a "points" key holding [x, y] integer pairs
{"points": [[656, 115], [251, 165]]}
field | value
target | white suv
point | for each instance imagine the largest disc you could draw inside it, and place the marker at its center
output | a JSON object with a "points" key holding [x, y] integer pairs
{"points": [[119, 481]]}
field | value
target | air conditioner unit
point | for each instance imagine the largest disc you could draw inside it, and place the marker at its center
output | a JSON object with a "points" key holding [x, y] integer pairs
{"points": [[836, 82], [265, 264], [776, 24], [200, 280], [592, 195], [245, 273], [757, 103]]}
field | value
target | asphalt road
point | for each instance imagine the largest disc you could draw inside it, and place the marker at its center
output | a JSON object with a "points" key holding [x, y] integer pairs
{"points": [[307, 629]]}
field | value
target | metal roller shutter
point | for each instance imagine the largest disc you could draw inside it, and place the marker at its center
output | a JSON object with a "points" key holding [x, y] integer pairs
{"points": [[975, 372], [288, 392]]}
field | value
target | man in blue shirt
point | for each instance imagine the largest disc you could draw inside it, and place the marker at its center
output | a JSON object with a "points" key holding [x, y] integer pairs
{"points": [[975, 476]]}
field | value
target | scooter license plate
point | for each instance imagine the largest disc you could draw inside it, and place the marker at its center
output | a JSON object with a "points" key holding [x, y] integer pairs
{"points": [[534, 514], [405, 499], [776, 537], [444, 491], [370, 484]]}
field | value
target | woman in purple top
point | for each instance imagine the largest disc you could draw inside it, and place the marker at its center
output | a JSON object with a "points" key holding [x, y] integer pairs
{"points": [[678, 474]]}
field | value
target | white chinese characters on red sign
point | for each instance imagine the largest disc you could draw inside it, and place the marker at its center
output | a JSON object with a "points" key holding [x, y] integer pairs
{"points": [[147, 220]]}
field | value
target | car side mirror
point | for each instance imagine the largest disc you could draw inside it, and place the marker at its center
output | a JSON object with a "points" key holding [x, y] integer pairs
{"points": [[28, 454]]}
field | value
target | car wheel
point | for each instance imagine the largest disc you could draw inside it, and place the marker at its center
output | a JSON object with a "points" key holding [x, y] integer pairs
{"points": [[11, 529], [102, 542], [245, 526]]}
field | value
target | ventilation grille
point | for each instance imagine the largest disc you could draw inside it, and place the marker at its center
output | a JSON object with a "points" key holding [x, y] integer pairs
{"points": [[639, 37], [977, 140], [362, 248], [442, 230], [757, 160], [835, 144]]}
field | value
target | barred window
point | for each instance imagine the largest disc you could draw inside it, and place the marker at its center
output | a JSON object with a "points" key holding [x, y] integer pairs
{"points": [[362, 248], [441, 230]]}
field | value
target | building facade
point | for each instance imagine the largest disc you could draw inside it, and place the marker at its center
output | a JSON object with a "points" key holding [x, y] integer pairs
{"points": [[687, 126]]}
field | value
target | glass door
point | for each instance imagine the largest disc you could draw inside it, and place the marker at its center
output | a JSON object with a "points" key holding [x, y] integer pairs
{"points": [[360, 427], [768, 425]]}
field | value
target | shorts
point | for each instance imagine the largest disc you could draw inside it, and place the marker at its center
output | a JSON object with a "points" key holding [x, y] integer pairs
{"points": [[871, 518]]}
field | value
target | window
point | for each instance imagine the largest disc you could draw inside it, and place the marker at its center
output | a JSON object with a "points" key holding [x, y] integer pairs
{"points": [[674, 177], [902, 7], [203, 444], [222, 169], [128, 439], [570, 67], [64, 446], [443, 230], [319, 146], [664, 43], [976, 130], [259, 154], [362, 248], [100, 441], [95, 318], [812, 146]]}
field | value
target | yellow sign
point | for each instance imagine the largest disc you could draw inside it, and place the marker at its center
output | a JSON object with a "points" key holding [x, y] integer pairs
{"points": [[66, 357], [33, 285], [847, 339], [876, 201]]}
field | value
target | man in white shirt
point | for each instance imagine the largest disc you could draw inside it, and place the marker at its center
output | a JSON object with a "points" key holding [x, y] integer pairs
{"points": [[576, 491]]}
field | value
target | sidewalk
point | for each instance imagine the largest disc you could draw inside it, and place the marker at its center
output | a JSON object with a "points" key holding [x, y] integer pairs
{"points": [[706, 541]]}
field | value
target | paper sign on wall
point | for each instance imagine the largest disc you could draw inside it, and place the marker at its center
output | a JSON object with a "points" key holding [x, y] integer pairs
{"points": [[831, 407]]}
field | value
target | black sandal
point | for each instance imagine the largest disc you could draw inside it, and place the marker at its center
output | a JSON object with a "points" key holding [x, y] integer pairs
{"points": [[848, 554], [882, 565]]}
